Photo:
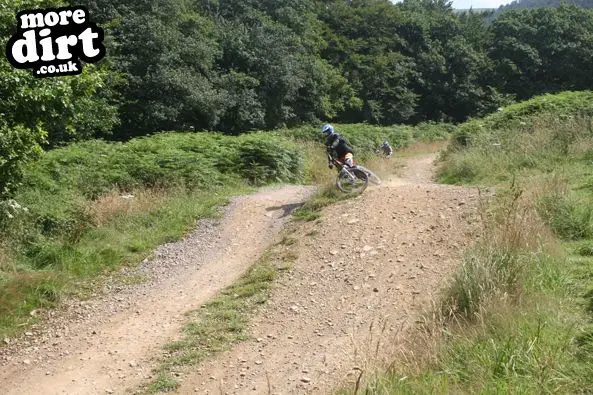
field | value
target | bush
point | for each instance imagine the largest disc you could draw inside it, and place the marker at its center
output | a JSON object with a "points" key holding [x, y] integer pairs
{"points": [[431, 131], [262, 159], [365, 138], [18, 145], [567, 217], [57, 188]]}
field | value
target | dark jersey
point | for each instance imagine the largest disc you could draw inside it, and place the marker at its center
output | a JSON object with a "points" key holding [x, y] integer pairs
{"points": [[337, 146]]}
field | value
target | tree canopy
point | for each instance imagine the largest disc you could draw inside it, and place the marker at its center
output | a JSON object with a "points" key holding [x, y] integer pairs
{"points": [[544, 3], [234, 66]]}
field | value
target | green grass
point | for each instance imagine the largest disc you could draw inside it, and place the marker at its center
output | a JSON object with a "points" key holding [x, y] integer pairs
{"points": [[517, 316], [524, 116], [65, 267], [515, 319], [222, 322], [72, 225], [288, 241], [529, 349], [497, 156]]}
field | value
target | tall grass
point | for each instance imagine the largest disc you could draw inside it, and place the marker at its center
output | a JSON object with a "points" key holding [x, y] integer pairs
{"points": [[507, 321], [516, 318], [516, 246], [523, 115], [496, 155]]}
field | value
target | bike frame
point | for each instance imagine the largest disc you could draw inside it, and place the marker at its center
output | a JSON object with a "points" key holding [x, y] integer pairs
{"points": [[340, 166]]}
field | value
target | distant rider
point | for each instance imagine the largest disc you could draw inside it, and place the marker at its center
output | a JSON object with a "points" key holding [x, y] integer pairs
{"points": [[387, 150], [337, 147]]}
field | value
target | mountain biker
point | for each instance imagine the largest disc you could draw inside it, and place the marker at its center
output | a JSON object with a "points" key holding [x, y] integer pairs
{"points": [[337, 147], [387, 150]]}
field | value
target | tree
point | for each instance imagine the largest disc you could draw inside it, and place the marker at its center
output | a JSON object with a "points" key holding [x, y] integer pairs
{"points": [[35, 112], [543, 50]]}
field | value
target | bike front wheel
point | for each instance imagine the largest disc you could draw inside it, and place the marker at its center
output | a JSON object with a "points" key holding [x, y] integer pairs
{"points": [[371, 176], [352, 180]]}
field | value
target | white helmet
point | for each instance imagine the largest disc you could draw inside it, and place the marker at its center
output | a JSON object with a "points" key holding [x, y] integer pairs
{"points": [[328, 130]]}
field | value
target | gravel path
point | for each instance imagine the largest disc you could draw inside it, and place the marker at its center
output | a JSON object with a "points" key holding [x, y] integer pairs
{"points": [[106, 345]]}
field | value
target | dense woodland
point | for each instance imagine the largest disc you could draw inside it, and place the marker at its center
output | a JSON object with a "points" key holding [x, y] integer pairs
{"points": [[240, 65]]}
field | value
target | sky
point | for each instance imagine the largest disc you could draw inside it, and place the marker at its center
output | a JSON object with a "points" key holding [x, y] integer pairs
{"points": [[462, 4]]}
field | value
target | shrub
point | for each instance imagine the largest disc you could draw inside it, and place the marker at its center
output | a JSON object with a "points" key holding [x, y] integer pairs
{"points": [[363, 138], [57, 188], [262, 159], [18, 145]]}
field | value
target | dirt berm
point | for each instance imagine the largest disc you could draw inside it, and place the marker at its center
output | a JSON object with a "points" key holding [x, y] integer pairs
{"points": [[365, 272]]}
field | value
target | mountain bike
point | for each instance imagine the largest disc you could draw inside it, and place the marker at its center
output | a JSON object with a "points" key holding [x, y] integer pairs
{"points": [[370, 175], [383, 152], [350, 179]]}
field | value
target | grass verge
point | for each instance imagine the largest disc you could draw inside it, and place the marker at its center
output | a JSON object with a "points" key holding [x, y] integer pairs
{"points": [[222, 321], [325, 196], [515, 318]]}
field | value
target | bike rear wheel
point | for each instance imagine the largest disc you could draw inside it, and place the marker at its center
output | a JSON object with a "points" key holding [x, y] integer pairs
{"points": [[352, 180]]}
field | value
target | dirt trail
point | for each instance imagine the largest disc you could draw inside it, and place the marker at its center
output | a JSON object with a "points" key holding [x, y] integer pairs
{"points": [[364, 273], [106, 345]]}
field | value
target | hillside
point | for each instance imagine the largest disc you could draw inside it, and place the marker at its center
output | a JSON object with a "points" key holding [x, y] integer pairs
{"points": [[519, 4], [412, 285], [145, 203], [521, 297]]}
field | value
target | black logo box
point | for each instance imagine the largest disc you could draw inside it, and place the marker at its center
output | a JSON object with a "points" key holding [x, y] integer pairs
{"points": [[56, 31]]}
